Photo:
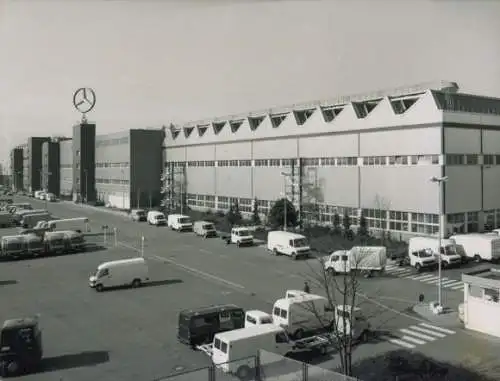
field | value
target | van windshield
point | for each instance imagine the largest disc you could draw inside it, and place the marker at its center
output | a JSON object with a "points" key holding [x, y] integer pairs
{"points": [[266, 320], [243, 233], [159, 217], [140, 213], [184, 220], [299, 242], [102, 272], [450, 250]]}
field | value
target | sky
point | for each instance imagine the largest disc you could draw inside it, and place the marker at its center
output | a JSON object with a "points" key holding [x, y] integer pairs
{"points": [[155, 62]]}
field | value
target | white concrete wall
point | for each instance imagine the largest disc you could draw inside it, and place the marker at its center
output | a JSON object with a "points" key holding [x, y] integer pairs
{"points": [[482, 316], [491, 187], [267, 183], [463, 189], [200, 180], [232, 182], [461, 140], [204, 152], [275, 149], [333, 145], [176, 154], [233, 151], [491, 142], [339, 185]]}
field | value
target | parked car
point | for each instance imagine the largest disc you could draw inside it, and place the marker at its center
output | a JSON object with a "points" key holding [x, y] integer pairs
{"points": [[138, 215]]}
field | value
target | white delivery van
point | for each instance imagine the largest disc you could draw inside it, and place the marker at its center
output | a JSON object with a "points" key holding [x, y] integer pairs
{"points": [[156, 218], [75, 242], [30, 220], [302, 313], [179, 222], [478, 247], [241, 236], [79, 225], [234, 351], [365, 259], [256, 317], [123, 272], [449, 254], [55, 242], [204, 229], [288, 243], [19, 214], [38, 193]]}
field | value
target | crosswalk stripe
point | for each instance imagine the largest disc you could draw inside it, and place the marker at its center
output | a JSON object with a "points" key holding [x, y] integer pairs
{"points": [[428, 331], [457, 287], [449, 282], [398, 342], [436, 281], [417, 334], [397, 270], [456, 283], [429, 279], [420, 277], [413, 340], [404, 274], [441, 329], [416, 277]]}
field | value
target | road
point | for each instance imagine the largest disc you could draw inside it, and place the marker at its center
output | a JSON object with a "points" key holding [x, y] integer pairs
{"points": [[206, 272]]}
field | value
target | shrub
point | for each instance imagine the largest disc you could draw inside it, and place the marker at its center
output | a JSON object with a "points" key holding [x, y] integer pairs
{"points": [[233, 216], [255, 213], [277, 215]]}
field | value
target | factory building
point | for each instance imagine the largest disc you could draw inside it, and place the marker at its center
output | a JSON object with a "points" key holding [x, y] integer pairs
{"points": [[50, 166], [128, 168], [16, 168], [370, 154], [83, 162], [32, 163], [66, 169]]}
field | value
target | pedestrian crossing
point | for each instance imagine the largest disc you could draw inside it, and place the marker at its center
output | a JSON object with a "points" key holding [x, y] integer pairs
{"points": [[433, 279], [418, 334]]}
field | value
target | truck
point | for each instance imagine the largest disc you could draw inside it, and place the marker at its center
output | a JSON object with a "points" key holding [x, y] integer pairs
{"points": [[179, 222], [79, 225], [19, 214], [55, 242], [478, 247], [30, 220], [204, 229], [240, 236], [287, 243], [256, 317], [367, 260], [75, 242], [12, 246], [419, 259], [21, 349], [234, 352], [448, 252]]}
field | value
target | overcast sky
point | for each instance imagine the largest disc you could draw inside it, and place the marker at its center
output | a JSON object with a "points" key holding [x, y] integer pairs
{"points": [[152, 62]]}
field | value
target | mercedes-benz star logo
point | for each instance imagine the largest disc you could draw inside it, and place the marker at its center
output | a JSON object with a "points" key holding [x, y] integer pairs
{"points": [[84, 99]]}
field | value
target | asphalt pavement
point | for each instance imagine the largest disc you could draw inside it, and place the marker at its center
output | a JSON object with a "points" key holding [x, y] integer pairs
{"points": [[138, 326]]}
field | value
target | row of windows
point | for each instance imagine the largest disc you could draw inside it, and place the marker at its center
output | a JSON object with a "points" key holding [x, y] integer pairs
{"points": [[112, 165], [111, 142], [112, 181]]}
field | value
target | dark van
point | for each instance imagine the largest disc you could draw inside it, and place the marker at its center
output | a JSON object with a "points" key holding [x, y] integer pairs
{"points": [[198, 326]]}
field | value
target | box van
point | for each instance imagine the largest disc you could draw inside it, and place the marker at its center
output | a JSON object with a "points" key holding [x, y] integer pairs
{"points": [[288, 243], [256, 317], [478, 247], [204, 229], [75, 242], [6, 220], [19, 214], [79, 225], [33, 245], [138, 215], [235, 351], [449, 254], [365, 259], [38, 194], [156, 218], [198, 326], [30, 220], [302, 313], [123, 272], [179, 222], [12, 246], [55, 242], [241, 236]]}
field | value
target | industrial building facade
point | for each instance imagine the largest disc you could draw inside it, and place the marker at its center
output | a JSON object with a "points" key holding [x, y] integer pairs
{"points": [[50, 167], [32, 163], [66, 169], [128, 168], [16, 168], [371, 154], [83, 162]]}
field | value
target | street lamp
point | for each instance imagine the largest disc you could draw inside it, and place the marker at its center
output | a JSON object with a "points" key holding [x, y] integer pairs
{"points": [[285, 175], [440, 181]]}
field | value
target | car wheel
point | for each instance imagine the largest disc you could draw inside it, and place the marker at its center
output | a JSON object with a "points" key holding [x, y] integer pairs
{"points": [[275, 252], [12, 368], [418, 267], [99, 288], [136, 283]]}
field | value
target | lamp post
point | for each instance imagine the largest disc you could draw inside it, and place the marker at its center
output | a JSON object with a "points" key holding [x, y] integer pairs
{"points": [[285, 175], [440, 181]]}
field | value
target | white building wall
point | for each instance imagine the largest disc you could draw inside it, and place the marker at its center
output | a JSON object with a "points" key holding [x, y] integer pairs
{"points": [[204, 152], [267, 183], [233, 182], [339, 186], [491, 141], [461, 140], [482, 315], [233, 151], [463, 189], [333, 145], [176, 154], [200, 180], [491, 187], [275, 149]]}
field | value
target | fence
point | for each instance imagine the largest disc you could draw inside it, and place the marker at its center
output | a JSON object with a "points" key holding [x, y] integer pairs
{"points": [[266, 366]]}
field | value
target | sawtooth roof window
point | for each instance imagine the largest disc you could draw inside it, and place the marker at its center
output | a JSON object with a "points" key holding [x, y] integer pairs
{"points": [[188, 131], [255, 122], [466, 103], [330, 113], [401, 105], [235, 125], [175, 133], [202, 130], [277, 119], [218, 127], [363, 109], [301, 116]]}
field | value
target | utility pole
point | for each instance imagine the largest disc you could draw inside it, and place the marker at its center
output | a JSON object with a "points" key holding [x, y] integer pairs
{"points": [[285, 201]]}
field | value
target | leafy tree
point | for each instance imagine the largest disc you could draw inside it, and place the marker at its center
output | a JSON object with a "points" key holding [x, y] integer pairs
{"points": [[233, 216], [277, 216], [336, 223], [363, 227], [346, 222], [255, 213]]}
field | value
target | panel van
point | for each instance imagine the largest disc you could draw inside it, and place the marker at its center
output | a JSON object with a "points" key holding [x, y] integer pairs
{"points": [[156, 218], [124, 272], [30, 220], [198, 326], [448, 251], [288, 243], [479, 247], [20, 213], [179, 222], [79, 225], [204, 229], [256, 317]]}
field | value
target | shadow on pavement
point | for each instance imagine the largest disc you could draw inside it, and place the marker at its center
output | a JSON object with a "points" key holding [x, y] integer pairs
{"points": [[77, 360], [92, 247], [7, 282], [154, 283]]}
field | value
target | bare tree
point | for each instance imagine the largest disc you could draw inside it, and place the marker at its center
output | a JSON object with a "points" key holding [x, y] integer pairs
{"points": [[312, 194], [382, 207]]}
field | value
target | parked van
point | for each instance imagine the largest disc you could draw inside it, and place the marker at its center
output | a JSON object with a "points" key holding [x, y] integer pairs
{"points": [[198, 326], [19, 214], [449, 254], [38, 194], [156, 218], [19, 206], [55, 242], [12, 246], [478, 247], [179, 222], [235, 351], [124, 272], [288, 243], [33, 245], [204, 229], [302, 313], [241, 236], [6, 220], [256, 317], [138, 215], [75, 242], [30, 220], [365, 259], [79, 225]]}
